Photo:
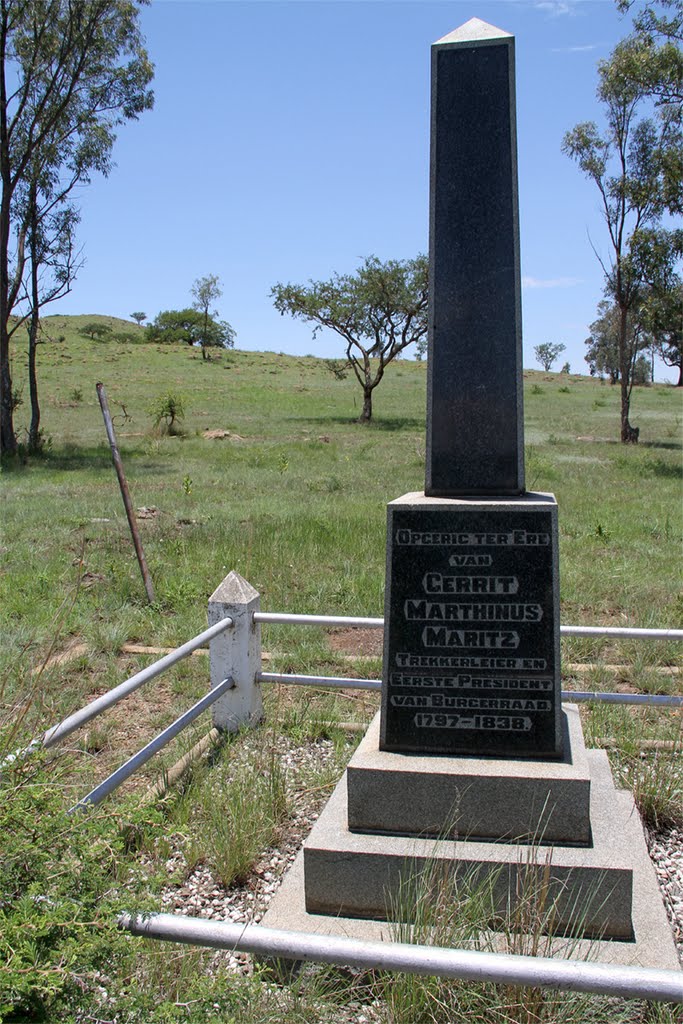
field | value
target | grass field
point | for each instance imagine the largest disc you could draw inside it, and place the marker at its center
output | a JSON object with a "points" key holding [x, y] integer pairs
{"points": [[293, 494]]}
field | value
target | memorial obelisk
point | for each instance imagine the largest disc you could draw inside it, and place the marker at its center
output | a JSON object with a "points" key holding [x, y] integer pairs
{"points": [[471, 651], [472, 745]]}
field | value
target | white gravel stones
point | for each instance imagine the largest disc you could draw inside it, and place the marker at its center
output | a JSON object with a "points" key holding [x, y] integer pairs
{"points": [[666, 851], [200, 895]]}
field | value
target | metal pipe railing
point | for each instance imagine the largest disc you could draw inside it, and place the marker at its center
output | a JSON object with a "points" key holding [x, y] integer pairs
{"points": [[98, 794], [295, 619], [349, 683], [332, 682], [107, 700], [469, 965], [650, 699], [357, 622], [623, 632]]}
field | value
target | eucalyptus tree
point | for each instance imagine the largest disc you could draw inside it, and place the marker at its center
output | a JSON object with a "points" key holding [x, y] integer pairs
{"points": [[653, 56], [70, 73], [547, 352], [635, 160], [205, 291], [379, 311]]}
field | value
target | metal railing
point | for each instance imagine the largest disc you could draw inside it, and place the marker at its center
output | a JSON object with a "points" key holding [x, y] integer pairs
{"points": [[356, 622], [111, 697], [113, 781], [236, 665], [469, 965], [100, 704], [107, 700], [575, 696]]}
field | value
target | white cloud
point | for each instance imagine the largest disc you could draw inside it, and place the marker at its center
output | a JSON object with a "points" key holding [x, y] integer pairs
{"points": [[554, 7], [575, 49], [551, 282]]}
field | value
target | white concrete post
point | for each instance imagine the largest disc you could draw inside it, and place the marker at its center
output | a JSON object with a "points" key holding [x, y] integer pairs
{"points": [[237, 653]]}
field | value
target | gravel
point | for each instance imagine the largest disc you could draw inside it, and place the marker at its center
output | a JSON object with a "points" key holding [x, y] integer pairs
{"points": [[666, 851], [201, 895]]}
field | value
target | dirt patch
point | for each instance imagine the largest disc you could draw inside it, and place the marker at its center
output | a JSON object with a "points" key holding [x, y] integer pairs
{"points": [[219, 435], [73, 649], [147, 512], [365, 643]]}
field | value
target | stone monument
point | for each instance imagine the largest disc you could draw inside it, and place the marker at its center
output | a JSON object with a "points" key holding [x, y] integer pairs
{"points": [[472, 745], [472, 644]]}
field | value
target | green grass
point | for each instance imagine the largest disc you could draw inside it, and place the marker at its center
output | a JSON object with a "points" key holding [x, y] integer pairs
{"points": [[294, 498]]}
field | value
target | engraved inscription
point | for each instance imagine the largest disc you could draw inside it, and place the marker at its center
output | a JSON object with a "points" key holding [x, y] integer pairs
{"points": [[517, 538], [470, 662], [467, 682], [471, 612], [496, 722]]}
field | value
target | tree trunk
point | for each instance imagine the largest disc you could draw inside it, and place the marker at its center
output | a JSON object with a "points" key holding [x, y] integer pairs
{"points": [[366, 414], [8, 441], [34, 428], [629, 434]]}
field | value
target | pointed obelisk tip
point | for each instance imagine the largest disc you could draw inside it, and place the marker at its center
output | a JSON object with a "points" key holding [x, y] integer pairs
{"points": [[473, 31]]}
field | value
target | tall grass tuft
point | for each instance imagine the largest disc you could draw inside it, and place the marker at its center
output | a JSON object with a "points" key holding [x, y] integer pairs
{"points": [[232, 814], [433, 907]]}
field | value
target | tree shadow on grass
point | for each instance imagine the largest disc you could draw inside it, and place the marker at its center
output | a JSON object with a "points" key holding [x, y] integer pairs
{"points": [[70, 457], [388, 423], [672, 446], [665, 470]]}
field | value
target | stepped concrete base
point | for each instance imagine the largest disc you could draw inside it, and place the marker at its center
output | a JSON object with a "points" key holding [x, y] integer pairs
{"points": [[471, 797], [604, 890], [358, 875], [651, 943]]}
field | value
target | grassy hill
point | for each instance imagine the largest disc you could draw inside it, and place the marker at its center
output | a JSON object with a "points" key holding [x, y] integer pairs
{"points": [[291, 481]]}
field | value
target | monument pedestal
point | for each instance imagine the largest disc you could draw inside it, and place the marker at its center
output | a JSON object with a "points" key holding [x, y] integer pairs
{"points": [[603, 892]]}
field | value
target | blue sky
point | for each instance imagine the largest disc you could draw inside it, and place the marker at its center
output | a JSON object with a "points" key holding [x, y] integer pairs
{"points": [[290, 140]]}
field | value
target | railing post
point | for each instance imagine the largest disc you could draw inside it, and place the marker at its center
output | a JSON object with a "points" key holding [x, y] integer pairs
{"points": [[237, 653]]}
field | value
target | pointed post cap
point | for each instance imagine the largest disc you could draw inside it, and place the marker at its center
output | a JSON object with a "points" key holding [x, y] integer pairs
{"points": [[474, 31], [234, 590]]}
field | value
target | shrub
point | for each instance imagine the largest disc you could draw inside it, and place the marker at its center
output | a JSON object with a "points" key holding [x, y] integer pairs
{"points": [[59, 887], [169, 408]]}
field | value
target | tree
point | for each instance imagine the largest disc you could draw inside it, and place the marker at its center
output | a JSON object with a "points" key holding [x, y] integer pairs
{"points": [[53, 262], [602, 345], [664, 317], [547, 353], [379, 311], [603, 352], [190, 327], [70, 72], [641, 375], [206, 291], [635, 164], [138, 317], [653, 57], [95, 329]]}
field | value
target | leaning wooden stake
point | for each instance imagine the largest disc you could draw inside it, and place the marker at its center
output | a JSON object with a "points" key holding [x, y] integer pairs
{"points": [[118, 466]]}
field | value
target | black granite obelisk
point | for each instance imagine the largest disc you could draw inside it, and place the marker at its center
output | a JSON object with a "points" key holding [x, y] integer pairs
{"points": [[474, 392], [471, 644]]}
